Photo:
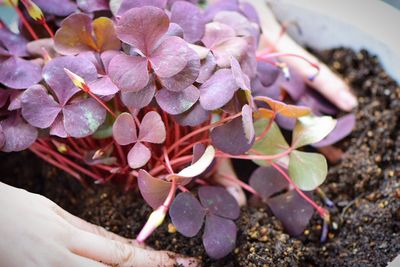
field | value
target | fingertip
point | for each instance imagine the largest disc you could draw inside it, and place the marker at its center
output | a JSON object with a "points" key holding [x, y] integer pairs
{"points": [[347, 101]]}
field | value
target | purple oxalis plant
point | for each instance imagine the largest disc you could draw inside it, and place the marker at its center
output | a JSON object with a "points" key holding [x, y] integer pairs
{"points": [[161, 95]]}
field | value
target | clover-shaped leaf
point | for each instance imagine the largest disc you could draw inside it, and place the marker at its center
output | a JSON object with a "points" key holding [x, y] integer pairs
{"points": [[177, 102], [18, 135], [78, 33], [218, 89], [56, 7], [151, 130], [218, 208], [311, 129], [231, 137], [288, 206], [292, 210], [196, 115], [286, 110], [307, 170], [16, 72], [190, 18]]}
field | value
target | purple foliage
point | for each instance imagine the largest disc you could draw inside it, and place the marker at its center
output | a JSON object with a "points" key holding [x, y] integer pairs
{"points": [[218, 208]]}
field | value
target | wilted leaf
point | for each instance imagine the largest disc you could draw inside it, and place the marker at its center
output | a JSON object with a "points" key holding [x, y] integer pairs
{"points": [[290, 111], [310, 129], [248, 126], [200, 165], [307, 170]]}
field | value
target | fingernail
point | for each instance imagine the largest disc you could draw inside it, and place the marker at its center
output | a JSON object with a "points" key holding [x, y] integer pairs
{"points": [[348, 99], [188, 262]]}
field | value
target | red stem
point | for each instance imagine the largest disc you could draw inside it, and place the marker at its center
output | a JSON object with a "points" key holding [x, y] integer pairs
{"points": [[321, 211], [24, 21]]}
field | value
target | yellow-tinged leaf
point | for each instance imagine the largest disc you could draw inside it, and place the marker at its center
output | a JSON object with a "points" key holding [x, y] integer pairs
{"points": [[104, 31], [264, 113], [286, 110]]}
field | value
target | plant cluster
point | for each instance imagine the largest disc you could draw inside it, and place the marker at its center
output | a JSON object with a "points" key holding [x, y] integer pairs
{"points": [[162, 94]]}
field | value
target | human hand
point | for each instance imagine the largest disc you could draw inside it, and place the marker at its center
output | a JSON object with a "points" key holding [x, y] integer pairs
{"points": [[37, 232], [327, 82]]}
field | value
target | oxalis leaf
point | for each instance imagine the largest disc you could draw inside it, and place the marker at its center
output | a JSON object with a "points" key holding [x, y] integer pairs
{"points": [[307, 170], [271, 144], [311, 129]]}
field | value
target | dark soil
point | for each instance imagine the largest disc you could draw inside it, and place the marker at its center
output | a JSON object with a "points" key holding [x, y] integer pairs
{"points": [[365, 187]]}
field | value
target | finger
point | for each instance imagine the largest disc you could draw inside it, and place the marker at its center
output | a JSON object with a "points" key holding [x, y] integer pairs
{"points": [[79, 261], [116, 253], [89, 227], [327, 82]]}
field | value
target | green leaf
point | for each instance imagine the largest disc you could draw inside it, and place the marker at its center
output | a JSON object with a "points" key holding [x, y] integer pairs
{"points": [[271, 144], [311, 129], [307, 170]]}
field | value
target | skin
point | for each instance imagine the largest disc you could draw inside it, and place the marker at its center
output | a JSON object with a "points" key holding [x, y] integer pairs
{"points": [[327, 82], [37, 232]]}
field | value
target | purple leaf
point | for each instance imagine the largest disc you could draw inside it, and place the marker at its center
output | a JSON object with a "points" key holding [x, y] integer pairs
{"points": [[14, 44], [38, 107], [295, 86], [187, 214], [107, 56], [177, 102], [198, 151], [138, 156], [56, 7], [242, 80], [292, 210], [128, 4], [343, 128], [219, 236], [15, 100], [170, 57], [124, 129], [286, 122], [248, 126], [129, 73], [19, 73], [174, 30], [58, 128], [103, 86], [218, 6], [152, 128], [241, 25], [138, 100], [230, 138], [190, 18], [233, 47], [153, 190], [215, 33], [218, 90], [143, 27], [42, 46], [194, 116], [186, 77], [58, 80], [267, 181], [250, 12], [267, 73], [83, 118], [90, 6], [207, 68], [18, 134], [219, 202]]}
